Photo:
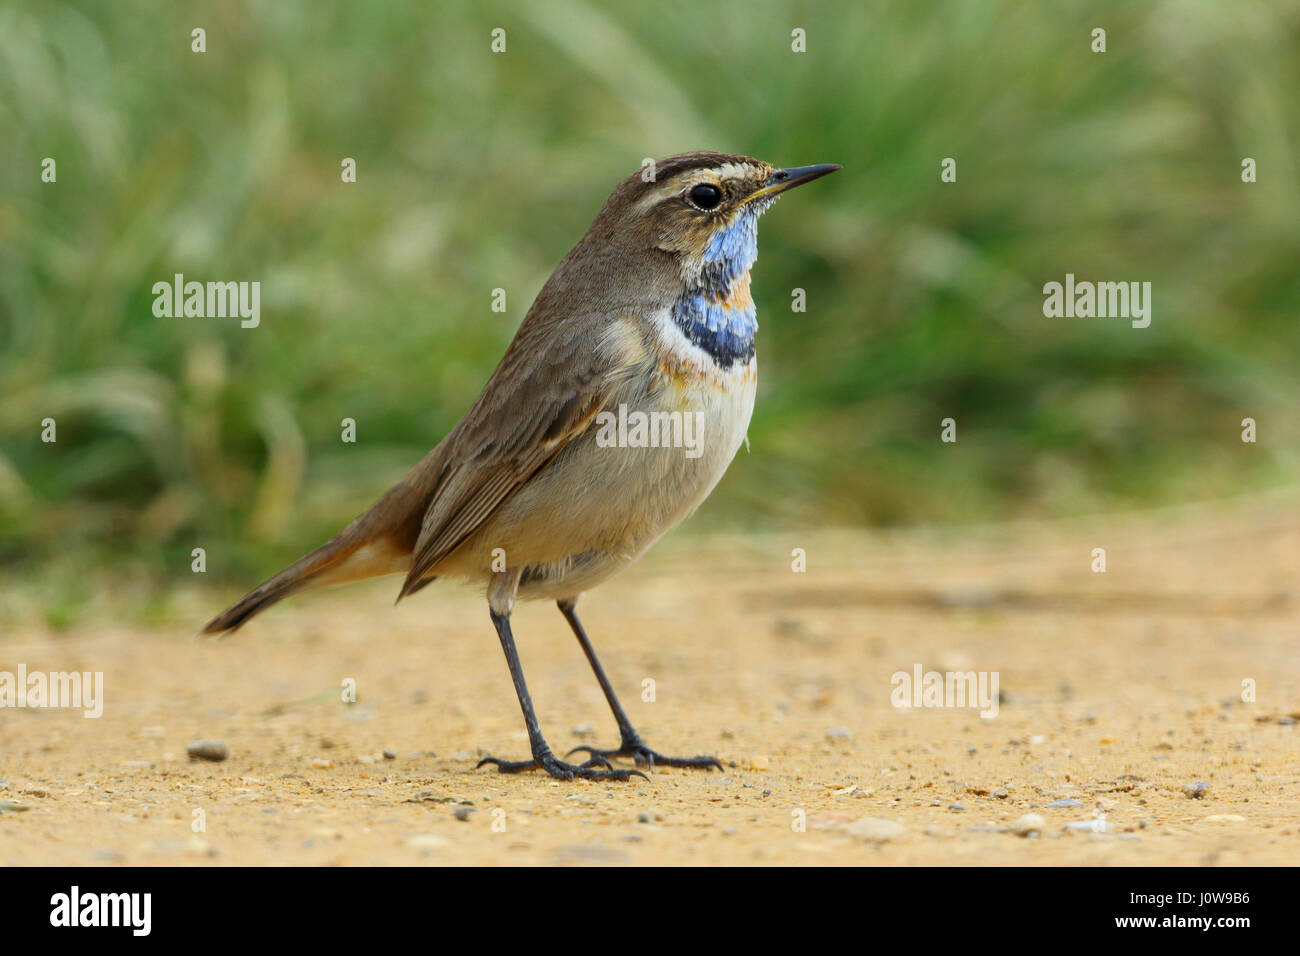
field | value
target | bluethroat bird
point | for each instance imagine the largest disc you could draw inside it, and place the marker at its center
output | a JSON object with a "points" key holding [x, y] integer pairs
{"points": [[535, 494]]}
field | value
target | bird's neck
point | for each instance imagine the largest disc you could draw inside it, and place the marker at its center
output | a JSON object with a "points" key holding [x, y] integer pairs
{"points": [[716, 312]]}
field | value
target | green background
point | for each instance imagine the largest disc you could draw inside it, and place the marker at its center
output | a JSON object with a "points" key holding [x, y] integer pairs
{"points": [[479, 170]]}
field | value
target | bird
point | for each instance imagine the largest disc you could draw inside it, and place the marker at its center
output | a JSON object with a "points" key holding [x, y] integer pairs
{"points": [[551, 483]]}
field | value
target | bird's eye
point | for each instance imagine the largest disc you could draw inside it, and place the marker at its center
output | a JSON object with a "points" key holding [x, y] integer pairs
{"points": [[706, 196]]}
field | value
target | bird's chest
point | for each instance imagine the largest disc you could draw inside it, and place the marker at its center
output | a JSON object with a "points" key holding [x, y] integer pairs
{"points": [[714, 399]]}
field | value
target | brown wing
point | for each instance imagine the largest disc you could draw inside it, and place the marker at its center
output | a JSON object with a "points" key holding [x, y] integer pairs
{"points": [[547, 390]]}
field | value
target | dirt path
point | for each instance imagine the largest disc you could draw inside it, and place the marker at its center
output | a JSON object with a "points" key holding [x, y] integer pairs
{"points": [[1119, 690]]}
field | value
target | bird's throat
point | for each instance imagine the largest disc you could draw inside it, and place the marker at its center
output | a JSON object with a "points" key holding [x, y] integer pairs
{"points": [[716, 312]]}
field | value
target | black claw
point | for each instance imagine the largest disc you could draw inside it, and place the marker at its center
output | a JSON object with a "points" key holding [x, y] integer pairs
{"points": [[564, 771], [645, 757]]}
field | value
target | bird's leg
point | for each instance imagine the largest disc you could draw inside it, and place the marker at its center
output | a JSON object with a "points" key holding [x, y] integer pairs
{"points": [[543, 758], [632, 745]]}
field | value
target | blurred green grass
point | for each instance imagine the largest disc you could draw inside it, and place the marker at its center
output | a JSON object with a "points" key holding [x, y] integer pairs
{"points": [[478, 171]]}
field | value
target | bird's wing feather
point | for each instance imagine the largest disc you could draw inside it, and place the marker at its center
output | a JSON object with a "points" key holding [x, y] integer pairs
{"points": [[547, 390]]}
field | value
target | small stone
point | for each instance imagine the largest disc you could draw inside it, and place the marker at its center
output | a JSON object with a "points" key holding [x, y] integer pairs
{"points": [[839, 733], [1030, 823], [215, 750], [583, 730], [390, 754], [758, 762], [955, 806], [874, 829], [1088, 826], [462, 813], [428, 796], [1063, 804], [1197, 790], [320, 764], [1224, 818]]}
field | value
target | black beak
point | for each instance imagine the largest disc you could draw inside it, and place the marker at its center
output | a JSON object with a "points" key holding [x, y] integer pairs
{"points": [[783, 179]]}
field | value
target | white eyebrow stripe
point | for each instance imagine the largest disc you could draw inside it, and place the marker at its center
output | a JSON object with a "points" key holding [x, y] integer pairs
{"points": [[681, 181]]}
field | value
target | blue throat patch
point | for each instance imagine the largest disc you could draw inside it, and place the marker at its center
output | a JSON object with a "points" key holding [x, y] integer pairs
{"points": [[705, 313]]}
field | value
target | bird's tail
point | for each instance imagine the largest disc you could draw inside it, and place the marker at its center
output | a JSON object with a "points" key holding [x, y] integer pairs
{"points": [[299, 575], [378, 542]]}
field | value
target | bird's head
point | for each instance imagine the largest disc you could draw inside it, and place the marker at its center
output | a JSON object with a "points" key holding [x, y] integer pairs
{"points": [[703, 208], [679, 235]]}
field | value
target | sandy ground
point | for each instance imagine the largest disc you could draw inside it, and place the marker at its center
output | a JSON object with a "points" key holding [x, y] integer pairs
{"points": [[1118, 690]]}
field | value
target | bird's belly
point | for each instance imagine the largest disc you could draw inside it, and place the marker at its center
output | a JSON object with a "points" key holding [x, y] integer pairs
{"points": [[652, 457]]}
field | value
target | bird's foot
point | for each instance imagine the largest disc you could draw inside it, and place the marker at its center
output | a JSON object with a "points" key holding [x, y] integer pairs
{"points": [[635, 748], [597, 768]]}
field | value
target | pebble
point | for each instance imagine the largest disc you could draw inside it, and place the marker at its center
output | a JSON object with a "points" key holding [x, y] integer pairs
{"points": [[955, 806], [1224, 818], [583, 730], [1030, 823], [215, 750], [839, 733], [1063, 804], [1088, 826], [319, 764], [758, 762], [874, 829], [390, 754], [462, 813], [1197, 790]]}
